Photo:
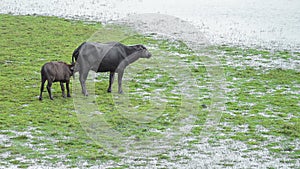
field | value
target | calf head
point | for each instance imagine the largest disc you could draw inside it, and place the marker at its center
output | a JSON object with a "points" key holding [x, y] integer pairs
{"points": [[71, 68]]}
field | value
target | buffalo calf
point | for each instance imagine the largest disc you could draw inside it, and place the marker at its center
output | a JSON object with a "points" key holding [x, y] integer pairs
{"points": [[56, 72]]}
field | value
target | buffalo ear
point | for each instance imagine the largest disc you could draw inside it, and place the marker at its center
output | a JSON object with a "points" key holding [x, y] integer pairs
{"points": [[141, 47], [137, 47]]}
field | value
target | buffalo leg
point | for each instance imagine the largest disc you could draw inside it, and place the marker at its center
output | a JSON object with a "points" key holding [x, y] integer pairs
{"points": [[42, 88], [111, 81], [82, 78], [62, 89], [49, 89], [120, 76], [68, 89]]}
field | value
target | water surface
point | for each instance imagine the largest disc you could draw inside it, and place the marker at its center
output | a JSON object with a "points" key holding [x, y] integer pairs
{"points": [[271, 24]]}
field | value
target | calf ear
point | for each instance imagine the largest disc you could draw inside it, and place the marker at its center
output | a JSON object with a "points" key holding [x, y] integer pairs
{"points": [[72, 67]]}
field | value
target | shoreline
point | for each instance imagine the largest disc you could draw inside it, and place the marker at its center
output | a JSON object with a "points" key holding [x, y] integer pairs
{"points": [[253, 24], [262, 46]]}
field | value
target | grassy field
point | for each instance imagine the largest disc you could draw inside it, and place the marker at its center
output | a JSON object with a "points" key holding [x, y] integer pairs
{"points": [[262, 90]]}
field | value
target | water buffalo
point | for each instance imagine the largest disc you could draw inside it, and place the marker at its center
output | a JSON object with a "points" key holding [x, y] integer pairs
{"points": [[56, 72], [110, 57]]}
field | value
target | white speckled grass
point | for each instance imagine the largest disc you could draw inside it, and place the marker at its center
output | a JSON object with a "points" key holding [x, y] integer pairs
{"points": [[210, 152]]}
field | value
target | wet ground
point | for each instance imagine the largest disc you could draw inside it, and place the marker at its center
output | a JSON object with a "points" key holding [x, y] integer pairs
{"points": [[267, 24], [263, 24]]}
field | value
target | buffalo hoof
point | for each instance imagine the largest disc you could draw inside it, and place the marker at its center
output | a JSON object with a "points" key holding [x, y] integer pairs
{"points": [[68, 95], [85, 93], [40, 98]]}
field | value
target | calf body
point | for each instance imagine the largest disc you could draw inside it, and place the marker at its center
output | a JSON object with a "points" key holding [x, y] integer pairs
{"points": [[56, 72], [110, 57]]}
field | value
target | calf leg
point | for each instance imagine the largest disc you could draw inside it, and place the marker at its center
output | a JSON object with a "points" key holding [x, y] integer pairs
{"points": [[68, 89], [111, 81], [82, 77], [42, 88], [62, 89], [120, 76], [49, 89]]}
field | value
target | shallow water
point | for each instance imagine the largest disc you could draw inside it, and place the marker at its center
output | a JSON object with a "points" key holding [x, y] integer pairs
{"points": [[269, 24]]}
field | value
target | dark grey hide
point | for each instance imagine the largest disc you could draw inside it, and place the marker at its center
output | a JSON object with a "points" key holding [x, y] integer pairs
{"points": [[56, 72], [110, 57]]}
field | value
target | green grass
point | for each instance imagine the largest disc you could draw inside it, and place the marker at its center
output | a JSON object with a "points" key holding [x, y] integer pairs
{"points": [[262, 103], [263, 97], [28, 42]]}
